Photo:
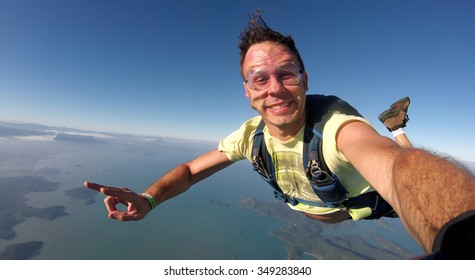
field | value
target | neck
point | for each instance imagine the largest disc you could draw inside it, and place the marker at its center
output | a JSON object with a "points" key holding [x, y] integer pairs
{"points": [[285, 132]]}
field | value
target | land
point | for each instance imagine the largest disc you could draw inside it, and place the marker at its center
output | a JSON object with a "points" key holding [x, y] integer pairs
{"points": [[14, 209], [304, 236], [82, 194], [218, 203], [22, 251]]}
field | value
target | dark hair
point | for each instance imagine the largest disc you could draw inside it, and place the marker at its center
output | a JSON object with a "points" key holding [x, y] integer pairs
{"points": [[257, 32]]}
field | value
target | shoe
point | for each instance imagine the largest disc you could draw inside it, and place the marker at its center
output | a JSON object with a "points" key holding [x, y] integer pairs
{"points": [[396, 116]]}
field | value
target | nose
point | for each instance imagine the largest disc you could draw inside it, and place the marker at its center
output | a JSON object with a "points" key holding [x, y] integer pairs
{"points": [[275, 86]]}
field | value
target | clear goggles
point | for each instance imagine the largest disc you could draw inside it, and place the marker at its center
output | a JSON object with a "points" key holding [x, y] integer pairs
{"points": [[259, 78]]}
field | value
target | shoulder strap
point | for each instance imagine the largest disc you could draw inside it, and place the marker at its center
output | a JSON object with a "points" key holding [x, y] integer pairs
{"points": [[260, 155], [262, 163], [319, 109], [324, 183]]}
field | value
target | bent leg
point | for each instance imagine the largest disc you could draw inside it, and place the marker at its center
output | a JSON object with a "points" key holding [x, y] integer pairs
{"points": [[395, 119], [403, 141], [396, 116]]}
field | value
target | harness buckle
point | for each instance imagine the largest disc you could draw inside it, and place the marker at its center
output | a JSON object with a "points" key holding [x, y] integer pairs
{"points": [[315, 169], [255, 165], [317, 175], [258, 165]]}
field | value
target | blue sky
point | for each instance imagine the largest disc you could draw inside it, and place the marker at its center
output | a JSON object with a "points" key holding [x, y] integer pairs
{"points": [[170, 68]]}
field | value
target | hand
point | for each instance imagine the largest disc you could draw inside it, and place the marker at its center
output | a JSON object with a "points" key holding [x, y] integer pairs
{"points": [[137, 206]]}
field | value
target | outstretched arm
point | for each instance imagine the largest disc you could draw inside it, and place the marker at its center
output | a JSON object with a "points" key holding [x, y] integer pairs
{"points": [[171, 184], [430, 191], [185, 175], [425, 190]]}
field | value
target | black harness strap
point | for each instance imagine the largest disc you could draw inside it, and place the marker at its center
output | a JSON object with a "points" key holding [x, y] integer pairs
{"points": [[260, 160], [323, 182]]}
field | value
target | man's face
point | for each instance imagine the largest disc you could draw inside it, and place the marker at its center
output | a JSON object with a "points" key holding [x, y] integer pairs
{"points": [[279, 99]]}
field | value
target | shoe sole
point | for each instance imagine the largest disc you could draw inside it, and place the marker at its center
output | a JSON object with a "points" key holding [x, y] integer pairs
{"points": [[391, 112]]}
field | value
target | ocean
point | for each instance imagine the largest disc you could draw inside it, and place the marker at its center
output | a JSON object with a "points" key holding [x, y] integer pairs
{"points": [[231, 215]]}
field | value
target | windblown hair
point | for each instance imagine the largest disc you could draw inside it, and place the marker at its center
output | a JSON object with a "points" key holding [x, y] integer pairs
{"points": [[257, 32]]}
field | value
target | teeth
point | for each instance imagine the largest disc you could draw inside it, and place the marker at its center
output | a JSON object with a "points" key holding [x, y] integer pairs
{"points": [[277, 107]]}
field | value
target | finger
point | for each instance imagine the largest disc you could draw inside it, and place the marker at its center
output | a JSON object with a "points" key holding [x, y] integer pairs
{"points": [[110, 202], [93, 186], [121, 193], [112, 215], [111, 191], [124, 216]]}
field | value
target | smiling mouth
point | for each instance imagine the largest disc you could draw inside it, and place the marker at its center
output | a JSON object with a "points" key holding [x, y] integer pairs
{"points": [[280, 106]]}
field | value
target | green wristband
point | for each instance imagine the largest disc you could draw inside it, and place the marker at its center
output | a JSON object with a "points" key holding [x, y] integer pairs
{"points": [[150, 199]]}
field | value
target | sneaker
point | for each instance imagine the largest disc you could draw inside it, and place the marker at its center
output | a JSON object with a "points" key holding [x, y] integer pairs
{"points": [[396, 116]]}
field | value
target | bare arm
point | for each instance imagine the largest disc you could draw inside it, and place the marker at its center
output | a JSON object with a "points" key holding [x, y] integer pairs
{"points": [[431, 191], [171, 184], [185, 175], [425, 190]]}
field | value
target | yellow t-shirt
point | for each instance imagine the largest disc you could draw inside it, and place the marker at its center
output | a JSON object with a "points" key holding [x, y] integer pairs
{"points": [[288, 161]]}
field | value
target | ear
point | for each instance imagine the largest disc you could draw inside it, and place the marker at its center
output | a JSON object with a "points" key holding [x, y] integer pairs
{"points": [[305, 80], [246, 89]]}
